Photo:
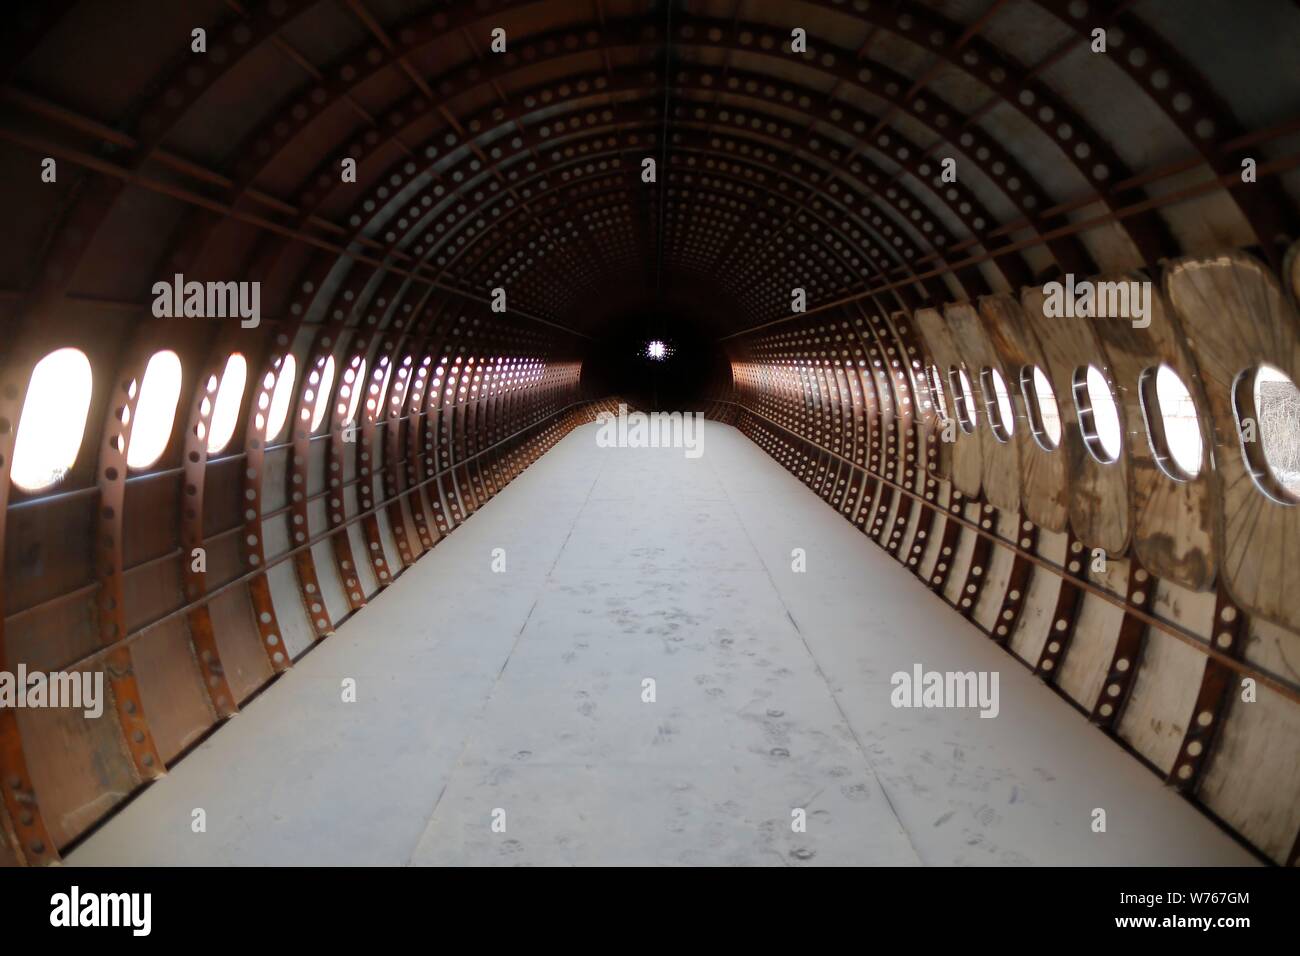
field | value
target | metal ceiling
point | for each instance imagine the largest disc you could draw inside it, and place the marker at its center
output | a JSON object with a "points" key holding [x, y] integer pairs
{"points": [[522, 169], [525, 171]]}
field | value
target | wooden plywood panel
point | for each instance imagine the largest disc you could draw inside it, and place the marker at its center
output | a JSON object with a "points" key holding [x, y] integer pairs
{"points": [[1091, 649], [964, 460], [1274, 649], [1039, 610], [1160, 702], [997, 574], [1173, 513], [959, 561], [999, 460], [1193, 610], [934, 539], [1044, 479], [1263, 806], [1237, 318], [1100, 511], [915, 521]]}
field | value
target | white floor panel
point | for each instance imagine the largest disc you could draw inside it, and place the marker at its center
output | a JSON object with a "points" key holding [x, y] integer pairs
{"points": [[517, 697]]}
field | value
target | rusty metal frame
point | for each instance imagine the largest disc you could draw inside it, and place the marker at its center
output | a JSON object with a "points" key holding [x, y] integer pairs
{"points": [[18, 798]]}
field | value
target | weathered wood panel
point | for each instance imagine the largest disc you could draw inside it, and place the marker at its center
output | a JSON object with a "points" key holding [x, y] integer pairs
{"points": [[966, 446], [1100, 509], [1044, 479], [1236, 319]]}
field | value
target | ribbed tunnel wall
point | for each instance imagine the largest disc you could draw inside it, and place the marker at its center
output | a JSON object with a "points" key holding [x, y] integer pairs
{"points": [[524, 171], [1109, 581]]}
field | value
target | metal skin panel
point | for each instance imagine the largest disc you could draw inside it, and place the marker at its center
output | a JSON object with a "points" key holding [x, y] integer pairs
{"points": [[521, 171], [22, 820], [193, 536]]}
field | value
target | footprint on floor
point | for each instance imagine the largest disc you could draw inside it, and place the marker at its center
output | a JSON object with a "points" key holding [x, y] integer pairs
{"points": [[986, 816], [857, 792]]}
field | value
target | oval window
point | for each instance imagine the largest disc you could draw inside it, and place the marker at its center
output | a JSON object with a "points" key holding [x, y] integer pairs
{"points": [[378, 388], [155, 412], [1173, 428], [937, 400], [399, 390], [281, 397], [962, 398], [997, 404], [1040, 404], [1098, 414], [321, 382], [1267, 404], [354, 383], [230, 395], [53, 420]]}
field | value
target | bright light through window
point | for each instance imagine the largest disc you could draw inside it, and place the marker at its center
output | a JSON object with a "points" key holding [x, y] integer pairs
{"points": [[355, 383], [963, 399], [230, 395], [656, 350], [323, 394], [1002, 417], [1278, 403], [53, 419], [282, 397], [1177, 435], [1098, 415], [936, 390], [155, 412], [1040, 400], [378, 387]]}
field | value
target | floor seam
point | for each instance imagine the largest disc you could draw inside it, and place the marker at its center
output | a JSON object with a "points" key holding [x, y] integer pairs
{"points": [[820, 672], [487, 700]]}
